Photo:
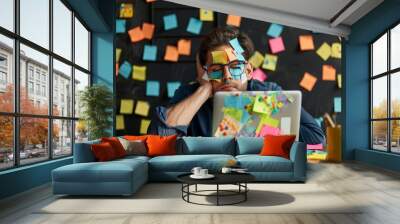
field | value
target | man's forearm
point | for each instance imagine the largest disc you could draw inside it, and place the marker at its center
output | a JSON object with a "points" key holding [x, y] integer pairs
{"points": [[183, 112]]}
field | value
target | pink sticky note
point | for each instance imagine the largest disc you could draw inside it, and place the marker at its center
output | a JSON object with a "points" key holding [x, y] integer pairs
{"points": [[267, 130], [259, 75], [276, 45], [315, 147]]}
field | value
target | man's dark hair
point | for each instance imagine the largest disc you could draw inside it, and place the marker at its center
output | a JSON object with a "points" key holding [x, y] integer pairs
{"points": [[222, 36]]}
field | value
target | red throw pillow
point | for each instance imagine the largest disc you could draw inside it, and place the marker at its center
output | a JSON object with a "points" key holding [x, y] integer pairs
{"points": [[116, 145], [103, 152], [161, 145], [136, 137], [277, 145]]}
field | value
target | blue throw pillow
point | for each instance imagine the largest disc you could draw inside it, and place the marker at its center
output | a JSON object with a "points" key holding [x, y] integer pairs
{"points": [[249, 145], [206, 145]]}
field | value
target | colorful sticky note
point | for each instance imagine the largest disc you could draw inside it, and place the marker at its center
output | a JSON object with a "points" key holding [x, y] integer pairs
{"points": [[126, 106], [260, 106], [206, 15], [328, 73], [194, 26], [315, 146], [142, 108], [144, 125], [136, 34], [267, 120], [259, 74], [339, 81], [172, 87], [171, 53], [267, 130], [274, 30], [270, 62], [120, 26], [149, 52], [184, 47], [306, 42], [276, 45], [308, 81], [256, 59], [219, 57], [336, 51], [324, 51], [118, 54], [125, 69], [170, 22], [148, 30], [139, 73], [233, 20], [236, 45], [337, 104], [126, 10], [285, 125], [230, 53], [233, 113], [119, 122], [152, 88]]}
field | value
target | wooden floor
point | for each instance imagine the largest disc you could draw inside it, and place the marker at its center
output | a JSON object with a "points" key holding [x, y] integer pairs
{"points": [[377, 188]]}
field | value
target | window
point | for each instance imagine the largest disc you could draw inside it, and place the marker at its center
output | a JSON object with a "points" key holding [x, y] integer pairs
{"points": [[385, 96], [46, 131]]}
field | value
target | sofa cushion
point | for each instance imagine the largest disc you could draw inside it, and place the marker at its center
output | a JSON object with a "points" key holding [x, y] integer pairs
{"points": [[249, 145], [206, 145], [185, 163], [161, 145], [103, 152], [116, 145], [257, 163]]}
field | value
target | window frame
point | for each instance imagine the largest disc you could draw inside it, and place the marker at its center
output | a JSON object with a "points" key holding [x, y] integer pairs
{"points": [[388, 74], [16, 114]]}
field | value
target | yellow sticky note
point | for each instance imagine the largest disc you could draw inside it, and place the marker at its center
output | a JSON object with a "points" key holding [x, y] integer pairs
{"points": [[270, 62], [324, 51], [144, 125], [139, 73], [219, 57], [126, 10], [118, 54], [256, 59], [328, 73], [339, 81], [206, 15], [126, 106], [233, 20], [120, 122], [142, 108], [336, 50]]}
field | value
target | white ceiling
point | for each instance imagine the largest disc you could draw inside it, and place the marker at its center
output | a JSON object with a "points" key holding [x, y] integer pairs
{"points": [[316, 15]]}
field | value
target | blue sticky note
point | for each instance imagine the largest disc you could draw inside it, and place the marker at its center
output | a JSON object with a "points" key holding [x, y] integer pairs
{"points": [[152, 88], [170, 22], [149, 52], [120, 26], [236, 45], [171, 87], [125, 69], [337, 104], [274, 30], [194, 26]]}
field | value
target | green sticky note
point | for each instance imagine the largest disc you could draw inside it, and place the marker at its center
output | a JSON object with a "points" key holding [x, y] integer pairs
{"points": [[267, 120], [260, 106], [233, 113]]}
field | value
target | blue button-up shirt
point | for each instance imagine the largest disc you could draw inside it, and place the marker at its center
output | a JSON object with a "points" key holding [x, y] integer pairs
{"points": [[310, 131]]}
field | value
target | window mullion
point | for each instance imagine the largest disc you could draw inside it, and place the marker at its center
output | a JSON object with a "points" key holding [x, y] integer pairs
{"points": [[389, 102], [16, 84]]}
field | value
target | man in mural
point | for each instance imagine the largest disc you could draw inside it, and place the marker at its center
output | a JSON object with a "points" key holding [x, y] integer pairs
{"points": [[190, 110]]}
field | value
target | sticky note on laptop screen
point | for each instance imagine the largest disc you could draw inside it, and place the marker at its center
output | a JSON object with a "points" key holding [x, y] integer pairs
{"points": [[126, 106], [219, 57], [142, 108], [268, 130], [285, 125]]}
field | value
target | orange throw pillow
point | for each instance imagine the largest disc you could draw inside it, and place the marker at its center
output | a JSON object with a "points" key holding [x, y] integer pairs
{"points": [[278, 145], [116, 145], [161, 145], [103, 152]]}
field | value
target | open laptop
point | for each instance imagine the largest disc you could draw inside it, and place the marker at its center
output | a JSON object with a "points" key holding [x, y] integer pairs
{"points": [[256, 113]]}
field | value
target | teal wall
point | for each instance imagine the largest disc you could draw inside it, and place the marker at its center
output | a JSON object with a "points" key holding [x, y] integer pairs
{"points": [[356, 83], [99, 17]]}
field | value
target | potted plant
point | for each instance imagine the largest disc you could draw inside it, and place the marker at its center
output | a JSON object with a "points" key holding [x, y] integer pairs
{"points": [[96, 103]]}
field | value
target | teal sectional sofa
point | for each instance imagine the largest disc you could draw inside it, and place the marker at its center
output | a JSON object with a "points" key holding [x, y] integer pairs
{"points": [[125, 176]]}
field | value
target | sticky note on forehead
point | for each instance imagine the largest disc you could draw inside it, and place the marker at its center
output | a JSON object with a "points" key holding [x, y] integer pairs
{"points": [[231, 54], [236, 45], [219, 57]]}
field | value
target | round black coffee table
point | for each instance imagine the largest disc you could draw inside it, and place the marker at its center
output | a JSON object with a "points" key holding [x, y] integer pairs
{"points": [[238, 179]]}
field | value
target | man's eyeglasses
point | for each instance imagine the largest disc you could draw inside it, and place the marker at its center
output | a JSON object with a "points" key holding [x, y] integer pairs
{"points": [[216, 71]]}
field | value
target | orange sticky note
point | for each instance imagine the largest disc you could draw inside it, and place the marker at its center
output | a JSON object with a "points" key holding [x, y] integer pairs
{"points": [[308, 81], [171, 53], [328, 73], [148, 30], [233, 20], [306, 42], [184, 47], [136, 34]]}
